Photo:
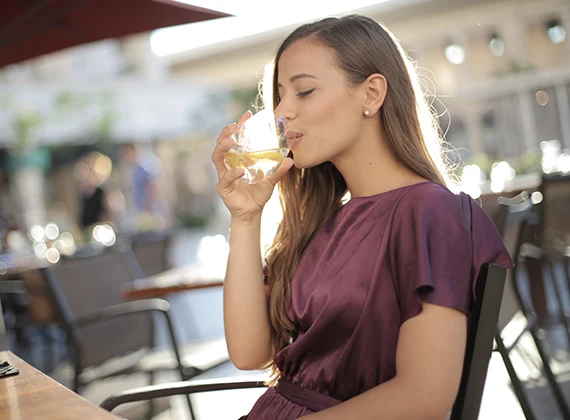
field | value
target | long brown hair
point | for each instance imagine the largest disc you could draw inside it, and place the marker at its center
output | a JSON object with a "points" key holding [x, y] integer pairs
{"points": [[309, 197]]}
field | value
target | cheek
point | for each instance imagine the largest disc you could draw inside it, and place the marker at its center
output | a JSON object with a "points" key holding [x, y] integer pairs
{"points": [[332, 124], [337, 122], [331, 111]]}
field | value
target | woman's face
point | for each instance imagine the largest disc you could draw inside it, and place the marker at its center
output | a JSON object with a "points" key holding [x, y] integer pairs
{"points": [[324, 110]]}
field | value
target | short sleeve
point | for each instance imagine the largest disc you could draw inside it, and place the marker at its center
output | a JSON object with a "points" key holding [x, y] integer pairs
{"points": [[438, 243]]}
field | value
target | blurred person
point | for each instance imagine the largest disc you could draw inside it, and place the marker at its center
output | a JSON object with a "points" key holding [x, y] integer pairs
{"points": [[359, 308], [141, 179], [92, 171], [145, 201]]}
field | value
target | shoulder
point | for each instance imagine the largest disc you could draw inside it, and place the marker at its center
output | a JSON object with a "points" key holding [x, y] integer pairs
{"points": [[427, 191], [428, 199]]}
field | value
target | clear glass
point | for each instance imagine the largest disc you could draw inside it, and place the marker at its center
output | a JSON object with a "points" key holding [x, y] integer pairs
{"points": [[261, 145]]}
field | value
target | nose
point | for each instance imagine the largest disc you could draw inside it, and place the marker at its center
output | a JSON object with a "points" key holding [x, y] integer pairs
{"points": [[285, 109]]}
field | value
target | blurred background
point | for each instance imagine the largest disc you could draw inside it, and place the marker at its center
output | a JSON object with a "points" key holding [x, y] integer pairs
{"points": [[104, 140], [497, 73]]}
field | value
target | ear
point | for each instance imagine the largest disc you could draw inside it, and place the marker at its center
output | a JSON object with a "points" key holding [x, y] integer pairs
{"points": [[375, 92]]}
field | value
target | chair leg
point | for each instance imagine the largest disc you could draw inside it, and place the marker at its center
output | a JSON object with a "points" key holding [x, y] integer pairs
{"points": [[151, 405], [515, 381], [50, 342], [190, 409], [175, 348], [554, 385], [558, 292], [565, 262], [76, 381]]}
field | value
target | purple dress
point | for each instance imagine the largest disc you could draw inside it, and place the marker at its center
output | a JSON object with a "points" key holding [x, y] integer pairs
{"points": [[367, 272]]}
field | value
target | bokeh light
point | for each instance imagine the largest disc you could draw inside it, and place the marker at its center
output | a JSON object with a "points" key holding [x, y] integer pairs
{"points": [[455, 54], [52, 255], [37, 233], [104, 234], [497, 46], [563, 163], [536, 197], [66, 244], [51, 231], [556, 33], [500, 173], [471, 179], [542, 98]]}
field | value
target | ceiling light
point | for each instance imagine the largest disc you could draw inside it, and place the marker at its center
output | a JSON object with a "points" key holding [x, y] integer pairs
{"points": [[455, 54], [555, 31], [497, 45]]}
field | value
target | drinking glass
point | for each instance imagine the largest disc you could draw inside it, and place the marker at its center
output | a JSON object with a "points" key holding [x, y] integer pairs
{"points": [[260, 147]]}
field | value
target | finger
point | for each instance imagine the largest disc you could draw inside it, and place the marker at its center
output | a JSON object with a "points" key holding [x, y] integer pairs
{"points": [[225, 184], [227, 131], [218, 155], [245, 116], [280, 173]]}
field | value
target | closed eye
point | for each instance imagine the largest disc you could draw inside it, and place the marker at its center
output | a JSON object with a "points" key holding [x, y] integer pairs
{"points": [[305, 93]]}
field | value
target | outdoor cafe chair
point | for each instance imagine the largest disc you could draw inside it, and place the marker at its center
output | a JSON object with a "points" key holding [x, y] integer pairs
{"points": [[150, 249], [518, 216], [108, 336], [554, 238], [482, 325]]}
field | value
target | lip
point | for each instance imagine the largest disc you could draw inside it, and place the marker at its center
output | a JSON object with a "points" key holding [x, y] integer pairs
{"points": [[294, 139]]}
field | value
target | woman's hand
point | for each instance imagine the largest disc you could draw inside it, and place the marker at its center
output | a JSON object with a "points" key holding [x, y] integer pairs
{"points": [[244, 201]]}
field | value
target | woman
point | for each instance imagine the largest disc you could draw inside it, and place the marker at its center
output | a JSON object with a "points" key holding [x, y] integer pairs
{"points": [[363, 313]]}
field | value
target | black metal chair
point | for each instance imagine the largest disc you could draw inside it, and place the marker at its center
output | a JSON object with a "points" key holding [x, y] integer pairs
{"points": [[519, 217], [481, 331], [150, 249], [554, 238], [108, 336]]}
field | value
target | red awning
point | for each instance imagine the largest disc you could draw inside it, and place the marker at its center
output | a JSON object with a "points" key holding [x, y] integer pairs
{"points": [[30, 28]]}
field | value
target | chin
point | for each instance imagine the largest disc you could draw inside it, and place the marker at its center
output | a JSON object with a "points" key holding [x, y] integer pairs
{"points": [[298, 161], [301, 163]]}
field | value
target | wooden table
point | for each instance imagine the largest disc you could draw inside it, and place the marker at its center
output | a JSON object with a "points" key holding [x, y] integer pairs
{"points": [[12, 270], [187, 277], [32, 395]]}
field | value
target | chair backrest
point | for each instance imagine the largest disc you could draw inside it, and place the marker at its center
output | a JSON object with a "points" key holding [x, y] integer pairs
{"points": [[514, 232], [83, 286], [482, 326], [555, 226], [151, 251]]}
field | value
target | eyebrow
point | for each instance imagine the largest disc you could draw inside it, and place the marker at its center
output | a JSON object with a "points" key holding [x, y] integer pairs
{"points": [[299, 76]]}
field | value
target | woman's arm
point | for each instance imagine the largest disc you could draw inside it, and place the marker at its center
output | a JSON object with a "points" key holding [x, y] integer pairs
{"points": [[429, 362], [246, 318]]}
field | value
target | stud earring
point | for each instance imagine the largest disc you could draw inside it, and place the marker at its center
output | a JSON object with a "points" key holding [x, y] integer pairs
{"points": [[367, 112]]}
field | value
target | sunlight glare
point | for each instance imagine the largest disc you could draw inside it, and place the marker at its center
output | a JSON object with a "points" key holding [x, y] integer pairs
{"points": [[249, 18]]}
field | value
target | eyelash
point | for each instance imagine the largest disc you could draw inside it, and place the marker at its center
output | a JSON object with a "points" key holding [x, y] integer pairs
{"points": [[305, 93]]}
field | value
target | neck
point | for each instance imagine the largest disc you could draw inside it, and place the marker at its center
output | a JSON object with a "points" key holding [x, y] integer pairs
{"points": [[371, 167]]}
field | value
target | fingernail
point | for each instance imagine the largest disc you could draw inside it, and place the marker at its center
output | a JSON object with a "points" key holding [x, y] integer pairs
{"points": [[237, 171]]}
